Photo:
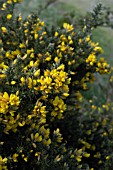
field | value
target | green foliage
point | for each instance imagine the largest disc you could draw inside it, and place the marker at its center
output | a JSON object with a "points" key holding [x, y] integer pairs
{"points": [[45, 121]]}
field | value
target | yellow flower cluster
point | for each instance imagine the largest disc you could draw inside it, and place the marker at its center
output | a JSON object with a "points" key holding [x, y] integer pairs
{"points": [[97, 48], [56, 79], [59, 108], [102, 66], [68, 27], [41, 136], [3, 162], [3, 68], [15, 1], [37, 120], [39, 112], [58, 135], [91, 59], [8, 106], [89, 77], [7, 4], [7, 102], [78, 154]]}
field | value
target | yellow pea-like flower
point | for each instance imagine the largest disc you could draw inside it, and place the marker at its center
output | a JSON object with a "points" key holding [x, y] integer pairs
{"points": [[13, 82], [4, 29], [21, 124], [9, 16], [56, 34], [37, 73]]}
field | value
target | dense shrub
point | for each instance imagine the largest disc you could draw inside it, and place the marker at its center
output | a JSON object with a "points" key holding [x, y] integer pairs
{"points": [[45, 122]]}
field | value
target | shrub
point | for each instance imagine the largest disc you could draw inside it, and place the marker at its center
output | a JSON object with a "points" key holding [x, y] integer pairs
{"points": [[43, 117]]}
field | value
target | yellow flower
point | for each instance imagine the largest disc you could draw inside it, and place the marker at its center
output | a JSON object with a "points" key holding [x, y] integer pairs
{"points": [[14, 100], [46, 142], [15, 155], [88, 38], [4, 30], [22, 45], [98, 49], [56, 60], [39, 139], [31, 63], [65, 94], [78, 158], [20, 18], [36, 36], [58, 158], [56, 101], [8, 54], [97, 155], [53, 113], [13, 82], [9, 16], [47, 80], [58, 135], [6, 96], [56, 34], [107, 157], [21, 124], [48, 58], [68, 27], [25, 159], [16, 52], [3, 160], [2, 76], [59, 107], [61, 67], [30, 82], [91, 59], [22, 79], [87, 155], [29, 51], [9, 1], [4, 6], [37, 73], [37, 153]]}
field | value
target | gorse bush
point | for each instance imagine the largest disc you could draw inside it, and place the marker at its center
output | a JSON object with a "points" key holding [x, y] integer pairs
{"points": [[44, 121]]}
